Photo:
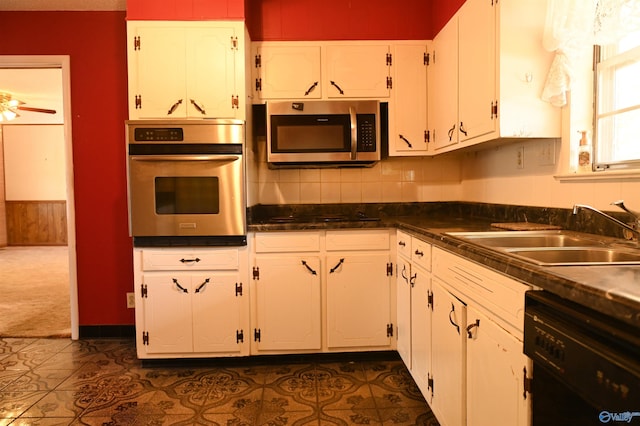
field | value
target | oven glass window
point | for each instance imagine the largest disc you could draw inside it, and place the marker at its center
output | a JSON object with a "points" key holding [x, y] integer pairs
{"points": [[187, 195]]}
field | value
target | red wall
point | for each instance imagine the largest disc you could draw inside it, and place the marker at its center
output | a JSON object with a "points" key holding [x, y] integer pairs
{"points": [[310, 19], [187, 10], [95, 42]]}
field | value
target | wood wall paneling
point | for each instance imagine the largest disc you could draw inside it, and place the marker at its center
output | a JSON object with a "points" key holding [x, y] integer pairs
{"points": [[31, 223]]}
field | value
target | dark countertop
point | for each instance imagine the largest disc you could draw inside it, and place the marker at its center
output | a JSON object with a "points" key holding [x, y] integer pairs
{"points": [[613, 290]]}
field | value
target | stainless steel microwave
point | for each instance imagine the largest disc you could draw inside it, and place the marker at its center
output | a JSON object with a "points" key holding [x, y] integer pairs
{"points": [[323, 133]]}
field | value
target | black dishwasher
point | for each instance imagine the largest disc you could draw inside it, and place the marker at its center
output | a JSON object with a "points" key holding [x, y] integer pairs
{"points": [[586, 366]]}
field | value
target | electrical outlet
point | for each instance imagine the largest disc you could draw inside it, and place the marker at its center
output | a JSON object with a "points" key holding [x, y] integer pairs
{"points": [[520, 157], [131, 300], [547, 154]]}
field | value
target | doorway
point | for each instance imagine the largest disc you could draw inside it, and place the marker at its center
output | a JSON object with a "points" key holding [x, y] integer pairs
{"points": [[60, 63]]}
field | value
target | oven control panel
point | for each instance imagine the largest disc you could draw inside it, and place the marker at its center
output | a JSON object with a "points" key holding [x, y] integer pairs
{"points": [[150, 134]]}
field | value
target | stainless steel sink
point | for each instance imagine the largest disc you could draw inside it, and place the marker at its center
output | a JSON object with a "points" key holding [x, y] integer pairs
{"points": [[555, 248], [578, 256], [528, 239]]}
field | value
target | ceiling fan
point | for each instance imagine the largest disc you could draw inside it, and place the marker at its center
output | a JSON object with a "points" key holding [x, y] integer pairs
{"points": [[9, 107]]}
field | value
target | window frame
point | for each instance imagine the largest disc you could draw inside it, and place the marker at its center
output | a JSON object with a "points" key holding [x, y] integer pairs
{"points": [[606, 58]]}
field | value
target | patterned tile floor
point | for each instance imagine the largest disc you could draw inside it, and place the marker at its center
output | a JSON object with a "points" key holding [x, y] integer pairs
{"points": [[101, 382]]}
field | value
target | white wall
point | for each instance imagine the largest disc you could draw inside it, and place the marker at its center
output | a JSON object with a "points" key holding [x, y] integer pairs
{"points": [[34, 162]]}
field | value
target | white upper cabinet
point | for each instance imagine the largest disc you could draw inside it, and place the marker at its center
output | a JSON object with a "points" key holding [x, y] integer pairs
{"points": [[358, 71], [185, 69], [487, 72], [321, 70], [443, 87], [408, 136], [287, 72]]}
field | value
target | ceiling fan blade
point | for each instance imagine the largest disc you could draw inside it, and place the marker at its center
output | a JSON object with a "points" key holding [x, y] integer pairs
{"points": [[44, 110]]}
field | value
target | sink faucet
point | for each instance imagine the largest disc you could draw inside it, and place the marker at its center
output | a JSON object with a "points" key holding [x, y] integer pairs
{"points": [[635, 232]]}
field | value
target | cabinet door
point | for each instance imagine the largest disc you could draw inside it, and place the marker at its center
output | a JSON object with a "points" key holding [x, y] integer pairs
{"points": [[476, 69], [181, 72], [158, 74], [443, 87], [210, 79], [495, 364], [448, 356], [217, 310], [357, 71], [421, 330], [288, 302], [403, 311], [288, 72], [167, 313], [358, 310], [410, 100]]}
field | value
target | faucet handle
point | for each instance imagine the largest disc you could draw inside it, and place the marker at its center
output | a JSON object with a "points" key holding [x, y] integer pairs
{"points": [[620, 203]]}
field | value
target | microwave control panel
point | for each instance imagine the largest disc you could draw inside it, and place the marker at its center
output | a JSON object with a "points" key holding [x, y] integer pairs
{"points": [[366, 132]]}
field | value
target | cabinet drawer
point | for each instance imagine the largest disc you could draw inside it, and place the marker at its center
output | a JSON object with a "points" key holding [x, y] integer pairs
{"points": [[369, 239], [189, 259], [283, 242], [421, 253], [501, 296], [403, 244]]}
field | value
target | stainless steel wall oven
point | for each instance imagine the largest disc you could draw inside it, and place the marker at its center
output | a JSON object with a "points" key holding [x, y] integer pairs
{"points": [[186, 182]]}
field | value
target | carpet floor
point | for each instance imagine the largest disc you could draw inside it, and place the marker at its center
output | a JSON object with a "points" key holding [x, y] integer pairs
{"points": [[34, 284]]}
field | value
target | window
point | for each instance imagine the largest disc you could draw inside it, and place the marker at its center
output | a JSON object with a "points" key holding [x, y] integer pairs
{"points": [[617, 106]]}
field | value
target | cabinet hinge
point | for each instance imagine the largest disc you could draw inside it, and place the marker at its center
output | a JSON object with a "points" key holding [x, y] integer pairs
{"points": [[389, 82], [256, 273], [390, 269], [258, 61], [138, 100], [256, 334], [145, 338], [494, 110], [389, 59], [389, 330], [143, 290], [234, 43], [239, 336], [238, 289], [258, 84], [427, 136], [425, 59], [430, 383], [527, 382], [429, 300], [235, 102], [136, 43]]}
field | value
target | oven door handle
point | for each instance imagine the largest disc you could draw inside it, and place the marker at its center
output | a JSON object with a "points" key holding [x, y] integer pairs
{"points": [[190, 157], [354, 132]]}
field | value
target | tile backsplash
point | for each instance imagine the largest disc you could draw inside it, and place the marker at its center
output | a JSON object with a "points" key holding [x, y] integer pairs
{"points": [[390, 180]]}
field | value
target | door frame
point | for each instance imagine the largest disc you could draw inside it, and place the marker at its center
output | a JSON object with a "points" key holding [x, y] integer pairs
{"points": [[62, 62]]}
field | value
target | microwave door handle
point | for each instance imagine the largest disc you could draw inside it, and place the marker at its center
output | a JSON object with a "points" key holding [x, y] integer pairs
{"points": [[184, 157], [354, 132]]}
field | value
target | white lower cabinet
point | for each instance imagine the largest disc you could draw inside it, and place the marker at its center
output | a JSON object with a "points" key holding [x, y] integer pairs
{"points": [[358, 305], [448, 356], [191, 303], [321, 291], [495, 374], [287, 308], [460, 329], [413, 285]]}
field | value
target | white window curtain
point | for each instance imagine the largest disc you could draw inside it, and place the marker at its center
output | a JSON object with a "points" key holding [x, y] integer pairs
{"points": [[573, 24]]}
